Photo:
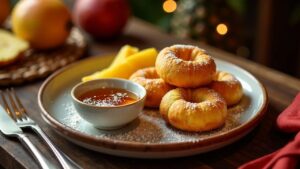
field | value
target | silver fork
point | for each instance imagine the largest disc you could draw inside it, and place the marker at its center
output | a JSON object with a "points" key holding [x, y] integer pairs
{"points": [[9, 128], [24, 121]]}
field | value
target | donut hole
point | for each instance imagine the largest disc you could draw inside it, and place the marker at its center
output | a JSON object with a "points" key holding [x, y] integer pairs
{"points": [[198, 99], [201, 95], [192, 98], [188, 54], [183, 54]]}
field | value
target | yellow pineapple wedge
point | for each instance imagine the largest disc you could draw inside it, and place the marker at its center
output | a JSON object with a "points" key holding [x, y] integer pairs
{"points": [[11, 47], [124, 53], [142, 59]]}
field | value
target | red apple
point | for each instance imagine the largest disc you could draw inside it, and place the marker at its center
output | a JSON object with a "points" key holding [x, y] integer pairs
{"points": [[102, 19]]}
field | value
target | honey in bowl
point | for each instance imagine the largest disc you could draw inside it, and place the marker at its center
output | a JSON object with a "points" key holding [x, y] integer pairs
{"points": [[108, 97]]}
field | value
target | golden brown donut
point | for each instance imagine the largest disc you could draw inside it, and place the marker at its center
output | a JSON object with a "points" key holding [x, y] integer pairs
{"points": [[228, 86], [185, 66], [197, 110], [155, 86]]}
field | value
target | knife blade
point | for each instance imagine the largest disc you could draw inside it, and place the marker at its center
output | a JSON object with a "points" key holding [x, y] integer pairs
{"points": [[9, 128], [7, 124]]}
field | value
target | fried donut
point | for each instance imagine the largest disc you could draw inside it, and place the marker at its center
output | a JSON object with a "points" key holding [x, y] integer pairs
{"points": [[155, 86], [228, 86], [196, 110], [185, 66]]}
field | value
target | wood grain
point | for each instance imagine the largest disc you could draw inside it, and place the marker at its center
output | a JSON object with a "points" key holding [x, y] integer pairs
{"points": [[263, 140]]}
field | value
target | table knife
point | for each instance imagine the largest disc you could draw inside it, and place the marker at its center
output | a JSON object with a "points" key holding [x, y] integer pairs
{"points": [[9, 128]]}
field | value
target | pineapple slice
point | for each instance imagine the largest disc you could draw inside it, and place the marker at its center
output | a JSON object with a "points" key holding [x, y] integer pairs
{"points": [[145, 58], [11, 47], [124, 53], [142, 59]]}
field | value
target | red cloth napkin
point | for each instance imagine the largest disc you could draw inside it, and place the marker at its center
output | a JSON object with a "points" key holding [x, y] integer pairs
{"points": [[286, 157]]}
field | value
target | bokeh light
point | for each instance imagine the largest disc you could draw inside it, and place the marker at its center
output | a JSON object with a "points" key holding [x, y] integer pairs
{"points": [[221, 29], [169, 6]]}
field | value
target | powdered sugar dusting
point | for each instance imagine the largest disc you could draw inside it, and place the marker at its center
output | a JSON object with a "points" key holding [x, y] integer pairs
{"points": [[197, 59], [72, 119], [191, 106], [149, 128], [182, 46], [108, 100]]}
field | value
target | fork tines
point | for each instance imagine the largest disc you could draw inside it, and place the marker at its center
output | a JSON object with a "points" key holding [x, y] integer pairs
{"points": [[15, 109]]}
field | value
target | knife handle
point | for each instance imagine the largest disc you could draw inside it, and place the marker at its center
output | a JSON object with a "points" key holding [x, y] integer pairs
{"points": [[41, 159]]}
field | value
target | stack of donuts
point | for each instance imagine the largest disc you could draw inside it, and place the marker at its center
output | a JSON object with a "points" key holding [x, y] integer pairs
{"points": [[189, 91]]}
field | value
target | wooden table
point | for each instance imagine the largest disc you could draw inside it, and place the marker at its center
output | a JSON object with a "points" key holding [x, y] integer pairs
{"points": [[264, 139]]}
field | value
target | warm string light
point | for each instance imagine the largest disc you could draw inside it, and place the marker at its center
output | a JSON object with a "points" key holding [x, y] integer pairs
{"points": [[169, 6], [222, 29]]}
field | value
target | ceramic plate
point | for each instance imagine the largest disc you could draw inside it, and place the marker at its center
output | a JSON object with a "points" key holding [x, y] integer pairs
{"points": [[148, 136]]}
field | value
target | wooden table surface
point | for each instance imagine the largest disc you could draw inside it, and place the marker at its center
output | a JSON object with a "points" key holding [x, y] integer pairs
{"points": [[264, 139]]}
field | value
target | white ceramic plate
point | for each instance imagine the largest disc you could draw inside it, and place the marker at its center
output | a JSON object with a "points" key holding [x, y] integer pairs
{"points": [[148, 136]]}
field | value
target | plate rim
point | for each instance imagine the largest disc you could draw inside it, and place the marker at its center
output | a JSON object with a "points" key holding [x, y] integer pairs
{"points": [[153, 147]]}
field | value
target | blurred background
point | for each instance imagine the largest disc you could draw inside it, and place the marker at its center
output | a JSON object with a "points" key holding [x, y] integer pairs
{"points": [[264, 31]]}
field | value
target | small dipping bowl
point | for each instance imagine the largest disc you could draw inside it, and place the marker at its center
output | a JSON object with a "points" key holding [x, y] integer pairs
{"points": [[108, 117]]}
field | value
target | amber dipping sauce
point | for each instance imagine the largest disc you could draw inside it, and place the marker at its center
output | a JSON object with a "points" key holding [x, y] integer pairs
{"points": [[108, 97]]}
